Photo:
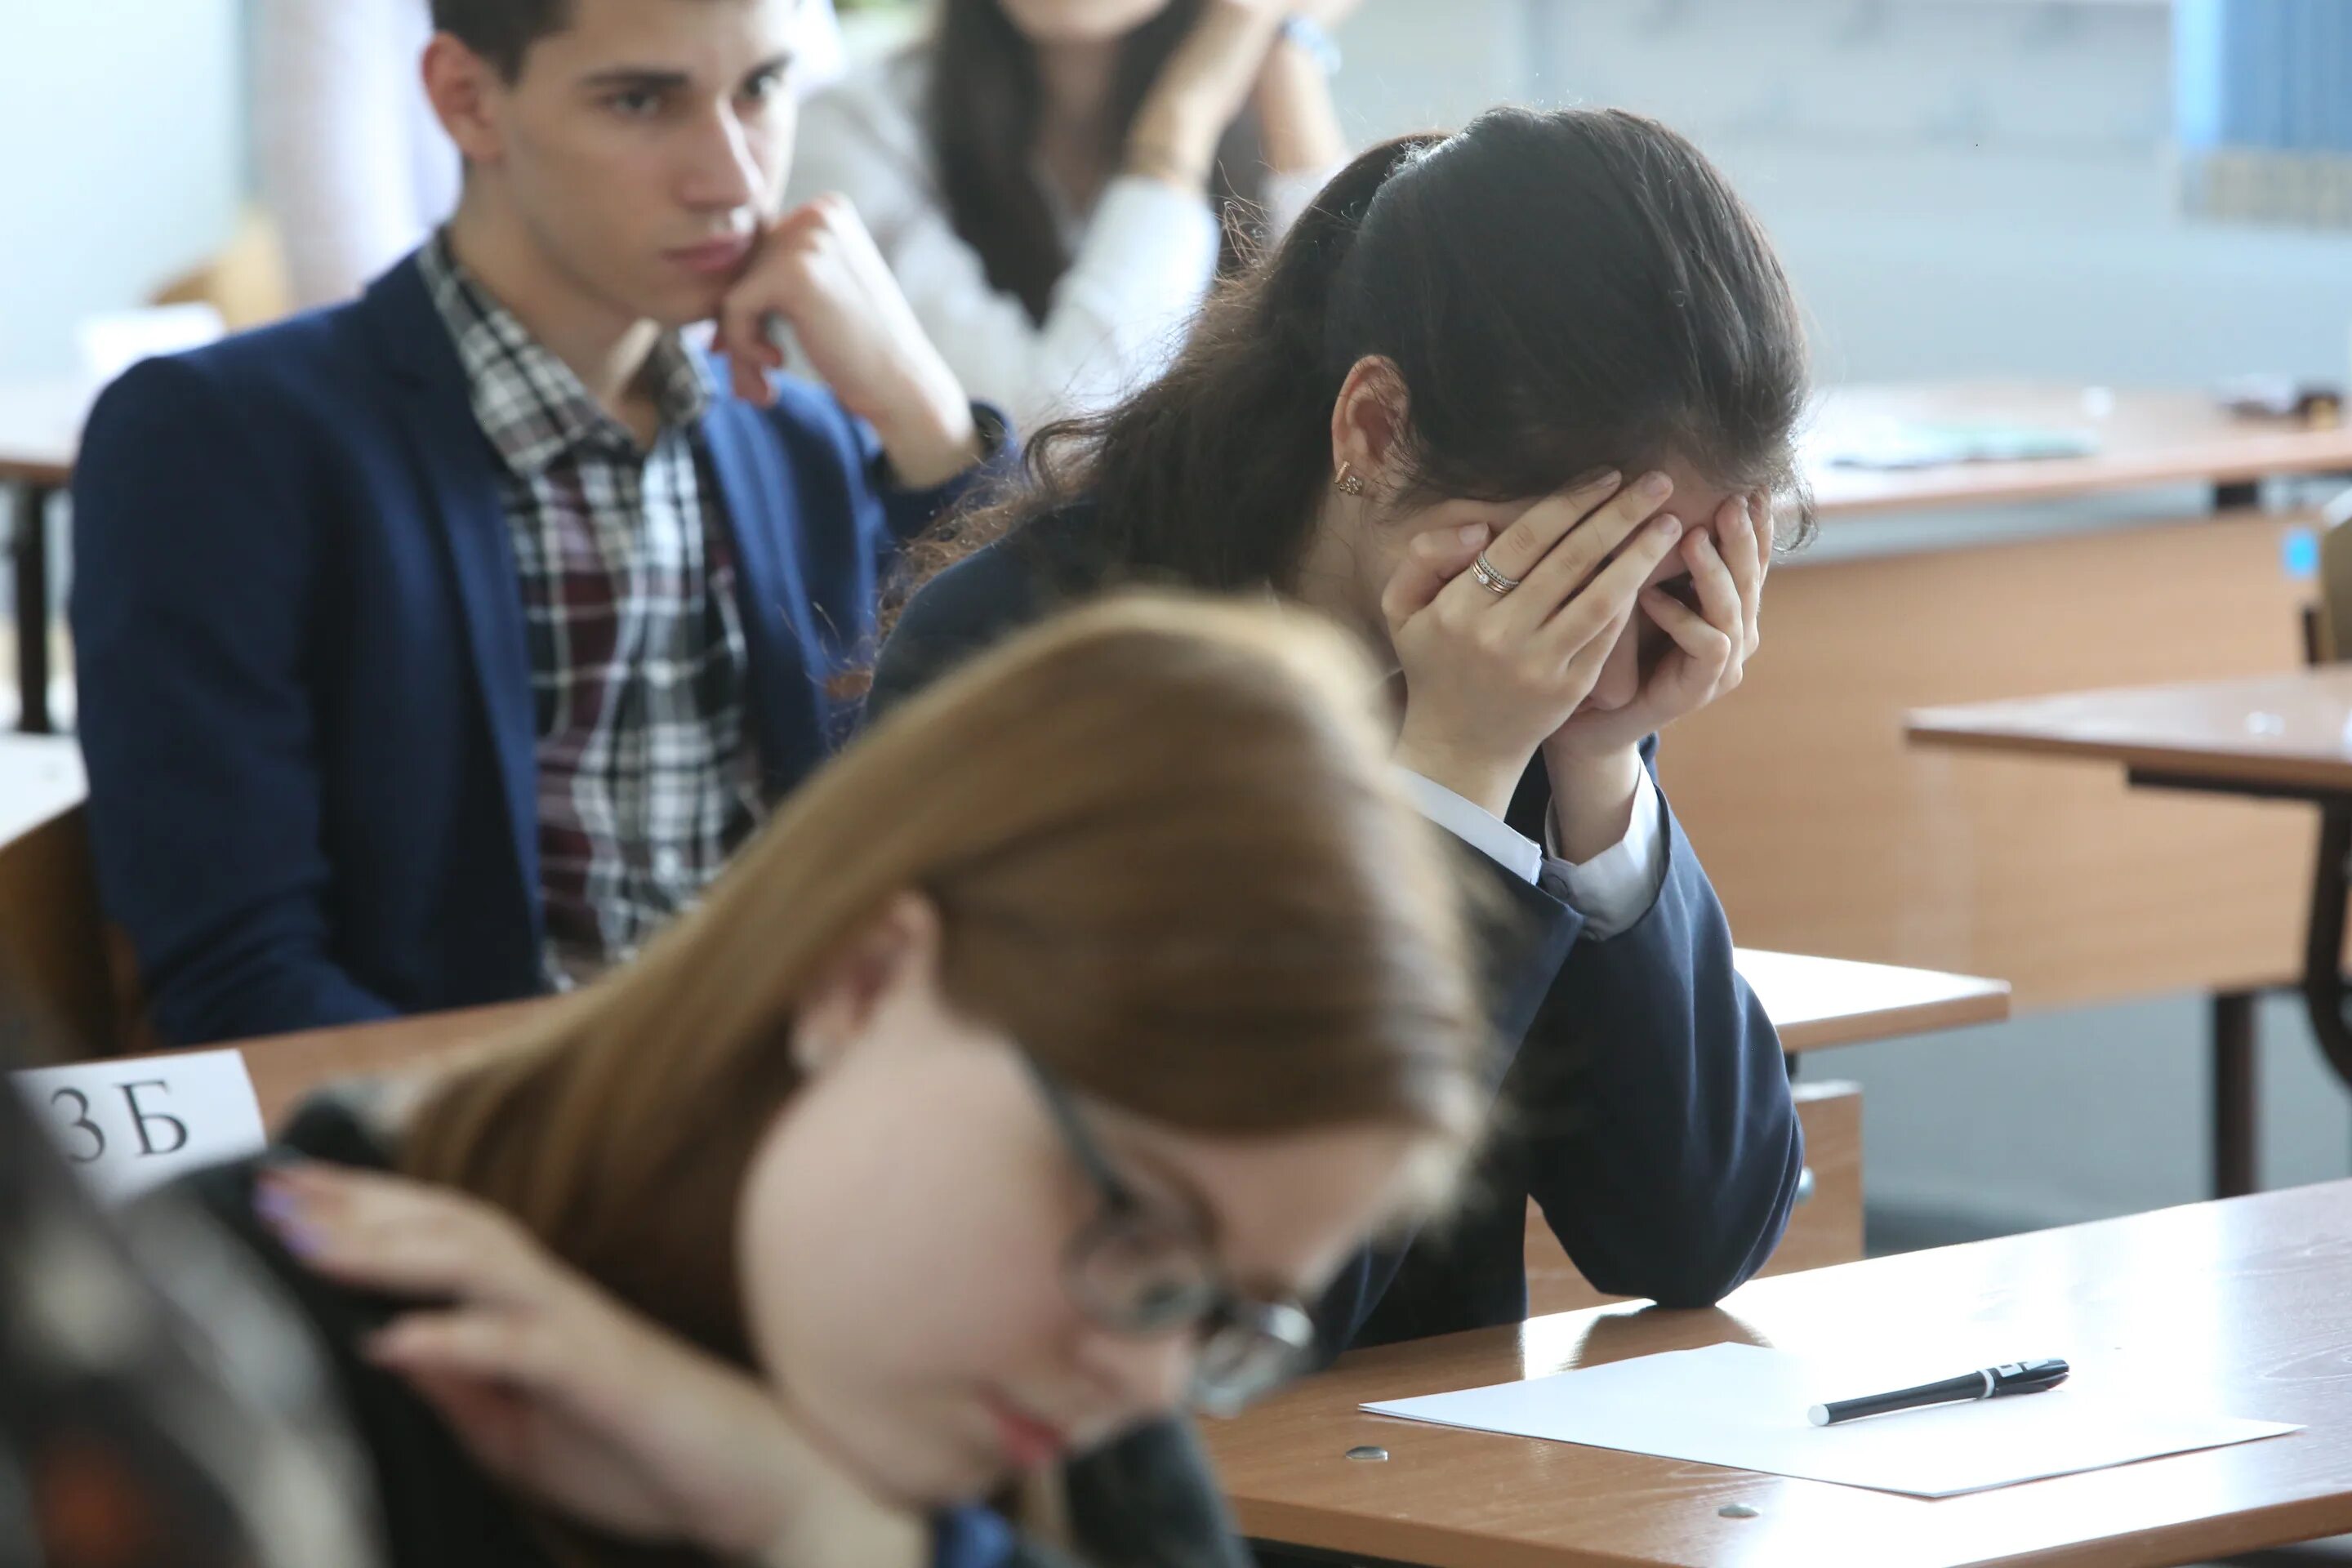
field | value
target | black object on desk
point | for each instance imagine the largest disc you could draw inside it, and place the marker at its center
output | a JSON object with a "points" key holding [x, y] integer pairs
{"points": [[1991, 1382]]}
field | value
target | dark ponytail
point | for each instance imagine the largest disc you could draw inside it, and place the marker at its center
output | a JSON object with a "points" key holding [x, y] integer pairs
{"points": [[1239, 430], [1558, 292]]}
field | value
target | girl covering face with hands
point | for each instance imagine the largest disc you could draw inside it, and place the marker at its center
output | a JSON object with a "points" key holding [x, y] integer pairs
{"points": [[960, 1136], [1512, 405]]}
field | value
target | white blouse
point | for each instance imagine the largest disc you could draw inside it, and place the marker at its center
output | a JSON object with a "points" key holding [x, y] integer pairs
{"points": [[1141, 261], [352, 163]]}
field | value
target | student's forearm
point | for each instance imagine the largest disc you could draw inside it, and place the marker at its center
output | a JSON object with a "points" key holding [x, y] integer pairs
{"points": [[930, 440], [1678, 1103], [1296, 117], [1593, 799]]}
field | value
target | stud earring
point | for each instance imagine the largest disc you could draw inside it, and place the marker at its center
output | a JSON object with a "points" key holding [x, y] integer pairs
{"points": [[1349, 482]]}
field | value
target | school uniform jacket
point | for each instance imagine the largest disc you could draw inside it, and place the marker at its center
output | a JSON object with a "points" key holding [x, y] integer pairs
{"points": [[305, 690]]}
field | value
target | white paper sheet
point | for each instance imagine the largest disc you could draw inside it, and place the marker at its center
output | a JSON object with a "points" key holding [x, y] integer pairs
{"points": [[130, 1123], [1742, 1406]]}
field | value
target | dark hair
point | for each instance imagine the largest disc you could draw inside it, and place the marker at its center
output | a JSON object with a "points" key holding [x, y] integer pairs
{"points": [[501, 31], [981, 120], [1559, 292]]}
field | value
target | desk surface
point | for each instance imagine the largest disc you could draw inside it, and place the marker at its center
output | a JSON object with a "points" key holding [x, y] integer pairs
{"points": [[2289, 732], [1820, 1002], [40, 426], [1815, 1002], [286, 1068], [2243, 1307], [2147, 438]]}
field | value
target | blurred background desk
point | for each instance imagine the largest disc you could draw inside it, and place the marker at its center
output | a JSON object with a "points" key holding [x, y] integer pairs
{"points": [[1825, 834]]}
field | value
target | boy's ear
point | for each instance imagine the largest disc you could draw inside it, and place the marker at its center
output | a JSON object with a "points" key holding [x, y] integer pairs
{"points": [[465, 92]]}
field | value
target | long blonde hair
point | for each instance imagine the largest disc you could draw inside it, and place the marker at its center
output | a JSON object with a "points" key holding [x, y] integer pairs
{"points": [[1168, 856]]}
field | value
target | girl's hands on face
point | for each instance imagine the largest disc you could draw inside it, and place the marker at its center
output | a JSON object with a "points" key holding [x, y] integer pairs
{"points": [[567, 1396], [1707, 646], [1488, 676]]}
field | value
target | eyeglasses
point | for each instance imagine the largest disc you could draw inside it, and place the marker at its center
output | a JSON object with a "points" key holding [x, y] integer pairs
{"points": [[1133, 1270]]}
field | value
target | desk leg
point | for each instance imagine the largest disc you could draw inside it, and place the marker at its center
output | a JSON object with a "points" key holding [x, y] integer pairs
{"points": [[2234, 1135], [29, 552]]}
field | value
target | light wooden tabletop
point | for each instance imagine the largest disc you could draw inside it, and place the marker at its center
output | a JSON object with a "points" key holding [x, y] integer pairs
{"points": [[285, 1068], [2290, 731], [40, 428], [2147, 438], [1820, 1002], [2241, 1308], [1813, 1002]]}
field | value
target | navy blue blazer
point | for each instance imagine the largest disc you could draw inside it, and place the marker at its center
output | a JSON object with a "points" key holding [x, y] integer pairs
{"points": [[1645, 1101], [304, 693]]}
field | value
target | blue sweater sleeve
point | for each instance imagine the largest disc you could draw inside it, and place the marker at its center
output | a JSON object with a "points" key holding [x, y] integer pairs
{"points": [[910, 512], [1526, 936], [810, 409], [1659, 1135], [195, 589]]}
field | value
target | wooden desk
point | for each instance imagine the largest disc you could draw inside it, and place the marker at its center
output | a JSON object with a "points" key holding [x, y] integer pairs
{"points": [[2290, 733], [40, 431], [287, 1067], [2148, 437], [1824, 832], [2274, 736], [2243, 1307], [1820, 1002], [1815, 1002]]}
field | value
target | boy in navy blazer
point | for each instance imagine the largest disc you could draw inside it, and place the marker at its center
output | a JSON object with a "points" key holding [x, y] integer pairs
{"points": [[434, 650]]}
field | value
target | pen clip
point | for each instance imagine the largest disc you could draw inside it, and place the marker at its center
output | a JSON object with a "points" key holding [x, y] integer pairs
{"points": [[2028, 1376]]}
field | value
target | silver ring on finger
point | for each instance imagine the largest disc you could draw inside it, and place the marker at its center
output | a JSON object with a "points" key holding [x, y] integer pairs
{"points": [[1490, 578]]}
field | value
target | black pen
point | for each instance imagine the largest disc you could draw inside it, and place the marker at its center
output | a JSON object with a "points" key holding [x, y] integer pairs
{"points": [[1992, 1382]]}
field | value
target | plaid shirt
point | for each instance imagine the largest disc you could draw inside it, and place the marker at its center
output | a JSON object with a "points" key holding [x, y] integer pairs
{"points": [[648, 778]]}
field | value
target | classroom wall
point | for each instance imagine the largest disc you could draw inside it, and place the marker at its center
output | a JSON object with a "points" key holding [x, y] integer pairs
{"points": [[1960, 187], [121, 121]]}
